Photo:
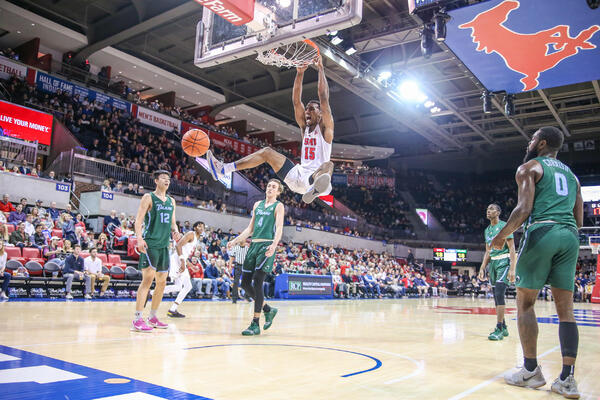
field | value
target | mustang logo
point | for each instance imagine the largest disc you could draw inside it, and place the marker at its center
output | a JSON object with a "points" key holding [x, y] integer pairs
{"points": [[527, 54]]}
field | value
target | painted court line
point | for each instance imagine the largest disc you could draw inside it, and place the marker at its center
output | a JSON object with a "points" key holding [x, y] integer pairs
{"points": [[378, 363], [501, 375]]}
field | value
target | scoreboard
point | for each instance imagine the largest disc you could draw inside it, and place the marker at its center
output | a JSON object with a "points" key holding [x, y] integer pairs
{"points": [[591, 209], [453, 255], [591, 201]]}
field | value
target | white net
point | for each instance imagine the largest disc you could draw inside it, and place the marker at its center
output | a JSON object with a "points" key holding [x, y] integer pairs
{"points": [[293, 55], [594, 242]]}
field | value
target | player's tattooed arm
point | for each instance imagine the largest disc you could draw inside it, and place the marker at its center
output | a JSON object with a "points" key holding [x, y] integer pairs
{"points": [[578, 208], [326, 115], [526, 177], [297, 99]]}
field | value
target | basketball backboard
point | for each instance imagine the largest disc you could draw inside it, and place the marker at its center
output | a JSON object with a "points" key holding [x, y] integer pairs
{"points": [[276, 23]]}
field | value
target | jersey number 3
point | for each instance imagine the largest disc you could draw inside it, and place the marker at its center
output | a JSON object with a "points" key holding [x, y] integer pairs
{"points": [[562, 189]]}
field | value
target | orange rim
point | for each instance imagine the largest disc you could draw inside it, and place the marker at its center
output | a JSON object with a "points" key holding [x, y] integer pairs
{"points": [[311, 43]]}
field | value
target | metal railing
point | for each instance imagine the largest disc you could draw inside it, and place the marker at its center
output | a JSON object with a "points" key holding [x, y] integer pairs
{"points": [[17, 150], [70, 163]]}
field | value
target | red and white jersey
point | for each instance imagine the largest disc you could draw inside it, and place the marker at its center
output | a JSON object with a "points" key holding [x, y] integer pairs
{"points": [[315, 150]]}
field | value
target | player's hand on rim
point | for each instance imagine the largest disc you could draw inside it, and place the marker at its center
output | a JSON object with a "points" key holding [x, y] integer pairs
{"points": [[302, 68]]}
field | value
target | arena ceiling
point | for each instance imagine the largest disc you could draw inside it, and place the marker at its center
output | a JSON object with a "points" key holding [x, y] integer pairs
{"points": [[163, 33]]}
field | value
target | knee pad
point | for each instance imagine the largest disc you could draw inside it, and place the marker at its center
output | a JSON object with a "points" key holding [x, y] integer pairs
{"points": [[499, 293]]}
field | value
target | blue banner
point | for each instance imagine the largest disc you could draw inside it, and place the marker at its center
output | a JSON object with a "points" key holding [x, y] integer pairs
{"points": [[51, 84], [63, 187], [339, 179], [107, 196], [519, 46]]}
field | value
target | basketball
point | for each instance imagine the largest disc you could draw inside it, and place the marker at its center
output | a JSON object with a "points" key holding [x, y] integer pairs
{"points": [[195, 142]]}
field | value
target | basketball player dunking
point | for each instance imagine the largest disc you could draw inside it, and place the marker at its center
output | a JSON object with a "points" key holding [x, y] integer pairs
{"points": [[157, 211], [551, 203], [312, 177]]}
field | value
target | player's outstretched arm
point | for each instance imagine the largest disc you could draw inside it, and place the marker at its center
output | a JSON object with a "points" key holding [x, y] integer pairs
{"points": [[145, 205], [526, 179], [247, 232], [326, 115], [297, 99], [279, 214]]}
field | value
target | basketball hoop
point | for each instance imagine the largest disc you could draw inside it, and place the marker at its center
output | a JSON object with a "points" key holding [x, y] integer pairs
{"points": [[294, 55], [594, 242]]}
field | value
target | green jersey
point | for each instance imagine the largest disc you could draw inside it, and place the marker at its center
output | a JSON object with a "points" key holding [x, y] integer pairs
{"points": [[555, 194], [264, 221], [157, 223], [490, 232]]}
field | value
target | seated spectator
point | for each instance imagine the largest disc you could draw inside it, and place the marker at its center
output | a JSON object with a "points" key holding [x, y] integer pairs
{"points": [[29, 226], [39, 240], [19, 238], [80, 223], [82, 239], [3, 256], [102, 244], [74, 269], [6, 206], [53, 211], [130, 189], [212, 272], [118, 187], [3, 228], [42, 212], [421, 285], [17, 216], [68, 227], [111, 219], [187, 202], [51, 175], [93, 268], [23, 169], [106, 186], [186, 227], [54, 251], [69, 210]]}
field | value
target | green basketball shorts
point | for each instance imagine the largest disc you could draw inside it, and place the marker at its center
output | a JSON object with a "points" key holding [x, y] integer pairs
{"points": [[257, 260], [548, 255], [499, 271], [155, 258]]}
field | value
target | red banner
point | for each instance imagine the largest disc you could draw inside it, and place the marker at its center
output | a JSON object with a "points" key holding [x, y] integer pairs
{"points": [[222, 141], [371, 181], [25, 123], [237, 12]]}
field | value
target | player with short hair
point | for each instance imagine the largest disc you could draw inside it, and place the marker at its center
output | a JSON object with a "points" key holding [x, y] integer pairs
{"points": [[266, 228], [157, 213], [312, 177], [550, 203], [178, 271], [502, 264]]}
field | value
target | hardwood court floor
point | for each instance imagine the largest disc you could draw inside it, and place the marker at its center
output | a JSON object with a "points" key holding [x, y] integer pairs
{"points": [[369, 349]]}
